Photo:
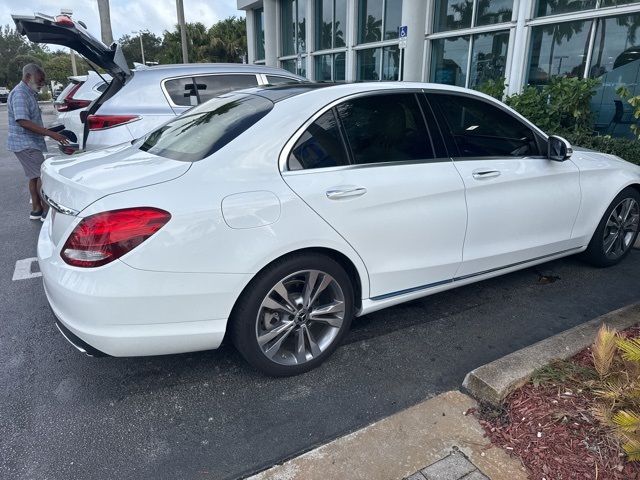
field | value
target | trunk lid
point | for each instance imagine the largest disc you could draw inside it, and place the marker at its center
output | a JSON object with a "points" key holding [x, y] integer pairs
{"points": [[73, 183], [62, 30]]}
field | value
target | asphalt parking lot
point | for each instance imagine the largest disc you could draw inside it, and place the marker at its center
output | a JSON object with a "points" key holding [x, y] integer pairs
{"points": [[208, 415]]}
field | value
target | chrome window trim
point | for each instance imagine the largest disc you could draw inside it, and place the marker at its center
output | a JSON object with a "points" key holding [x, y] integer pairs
{"points": [[288, 146], [177, 77]]}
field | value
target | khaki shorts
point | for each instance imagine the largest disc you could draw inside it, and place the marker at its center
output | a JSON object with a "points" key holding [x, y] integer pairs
{"points": [[31, 160]]}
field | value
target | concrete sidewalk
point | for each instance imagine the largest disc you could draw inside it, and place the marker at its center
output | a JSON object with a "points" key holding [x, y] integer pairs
{"points": [[433, 440]]}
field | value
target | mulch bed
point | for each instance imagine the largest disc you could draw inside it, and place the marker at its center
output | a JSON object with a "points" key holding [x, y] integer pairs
{"points": [[547, 423]]}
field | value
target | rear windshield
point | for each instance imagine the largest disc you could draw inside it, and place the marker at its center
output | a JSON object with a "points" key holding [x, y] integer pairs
{"points": [[207, 128]]}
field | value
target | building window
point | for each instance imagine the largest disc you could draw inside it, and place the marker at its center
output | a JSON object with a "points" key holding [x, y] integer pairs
{"points": [[553, 7], [293, 16], [258, 16], [558, 49], [331, 20], [615, 61], [378, 20], [450, 57], [456, 14], [378, 63], [295, 65], [330, 68]]}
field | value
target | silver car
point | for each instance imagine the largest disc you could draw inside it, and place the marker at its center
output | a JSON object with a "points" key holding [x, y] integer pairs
{"points": [[138, 101]]}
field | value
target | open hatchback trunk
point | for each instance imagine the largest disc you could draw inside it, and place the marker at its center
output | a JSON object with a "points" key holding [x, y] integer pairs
{"points": [[64, 31]]}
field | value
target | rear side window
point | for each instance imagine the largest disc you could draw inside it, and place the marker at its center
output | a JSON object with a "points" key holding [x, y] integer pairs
{"points": [[273, 80], [319, 146], [102, 87], [385, 128], [214, 85], [484, 130], [181, 91], [207, 128], [63, 94]]}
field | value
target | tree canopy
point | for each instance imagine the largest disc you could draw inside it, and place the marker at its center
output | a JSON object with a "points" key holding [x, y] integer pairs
{"points": [[225, 41]]}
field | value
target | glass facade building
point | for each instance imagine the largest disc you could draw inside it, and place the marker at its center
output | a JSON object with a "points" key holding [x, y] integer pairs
{"points": [[456, 42]]}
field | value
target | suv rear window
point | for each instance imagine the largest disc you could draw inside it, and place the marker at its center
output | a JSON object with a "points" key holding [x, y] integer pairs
{"points": [[207, 128]]}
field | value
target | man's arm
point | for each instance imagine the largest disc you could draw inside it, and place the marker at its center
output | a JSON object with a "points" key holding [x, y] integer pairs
{"points": [[35, 128]]}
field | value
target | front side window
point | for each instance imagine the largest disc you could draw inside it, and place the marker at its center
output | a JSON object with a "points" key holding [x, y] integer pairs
{"points": [[480, 129], [320, 146], [559, 49], [213, 85], [206, 128], [385, 128]]}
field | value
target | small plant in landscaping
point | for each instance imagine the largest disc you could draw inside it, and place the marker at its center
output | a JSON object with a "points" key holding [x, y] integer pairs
{"points": [[617, 361]]}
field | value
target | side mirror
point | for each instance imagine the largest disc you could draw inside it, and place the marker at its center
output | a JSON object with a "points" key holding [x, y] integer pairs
{"points": [[559, 149]]}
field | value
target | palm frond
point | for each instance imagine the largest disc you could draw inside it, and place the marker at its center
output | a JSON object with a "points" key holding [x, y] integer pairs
{"points": [[604, 349], [627, 421], [632, 448], [630, 348]]}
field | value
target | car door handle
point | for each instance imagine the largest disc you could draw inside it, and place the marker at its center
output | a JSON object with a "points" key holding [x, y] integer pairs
{"points": [[482, 174], [337, 193]]}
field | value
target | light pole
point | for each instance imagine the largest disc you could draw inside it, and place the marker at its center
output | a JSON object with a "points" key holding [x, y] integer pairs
{"points": [[183, 30], [68, 12], [140, 33]]}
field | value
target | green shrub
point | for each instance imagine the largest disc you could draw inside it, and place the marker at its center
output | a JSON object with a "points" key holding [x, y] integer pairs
{"points": [[493, 88], [560, 108], [44, 96]]}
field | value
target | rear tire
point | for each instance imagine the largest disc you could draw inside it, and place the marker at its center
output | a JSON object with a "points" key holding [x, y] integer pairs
{"points": [[293, 315], [617, 231]]}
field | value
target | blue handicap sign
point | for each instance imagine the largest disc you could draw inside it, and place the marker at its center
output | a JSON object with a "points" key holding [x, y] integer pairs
{"points": [[403, 31]]}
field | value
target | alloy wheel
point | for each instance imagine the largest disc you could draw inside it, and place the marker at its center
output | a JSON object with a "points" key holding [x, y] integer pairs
{"points": [[620, 229], [300, 317]]}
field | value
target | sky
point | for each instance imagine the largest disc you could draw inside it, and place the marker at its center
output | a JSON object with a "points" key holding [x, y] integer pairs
{"points": [[127, 16]]}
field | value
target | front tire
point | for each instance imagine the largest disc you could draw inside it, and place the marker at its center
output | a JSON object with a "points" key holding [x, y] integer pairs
{"points": [[617, 231], [293, 315]]}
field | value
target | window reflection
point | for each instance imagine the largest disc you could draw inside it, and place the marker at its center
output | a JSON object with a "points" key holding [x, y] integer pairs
{"points": [[372, 24], [259, 29], [449, 60], [331, 17], [378, 63], [489, 58], [453, 14], [559, 49], [293, 20], [615, 62], [554, 7], [494, 11]]}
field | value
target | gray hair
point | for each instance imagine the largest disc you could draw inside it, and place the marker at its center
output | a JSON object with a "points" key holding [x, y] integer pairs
{"points": [[31, 69]]}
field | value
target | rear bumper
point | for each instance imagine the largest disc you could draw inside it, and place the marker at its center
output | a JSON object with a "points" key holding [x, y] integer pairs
{"points": [[121, 311]]}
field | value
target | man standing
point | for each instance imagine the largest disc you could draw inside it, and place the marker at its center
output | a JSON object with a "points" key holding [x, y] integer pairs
{"points": [[27, 132]]}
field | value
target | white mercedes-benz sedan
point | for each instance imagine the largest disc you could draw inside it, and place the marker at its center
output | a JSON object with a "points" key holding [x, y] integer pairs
{"points": [[276, 214]]}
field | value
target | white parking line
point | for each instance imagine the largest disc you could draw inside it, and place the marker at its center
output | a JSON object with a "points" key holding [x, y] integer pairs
{"points": [[23, 270]]}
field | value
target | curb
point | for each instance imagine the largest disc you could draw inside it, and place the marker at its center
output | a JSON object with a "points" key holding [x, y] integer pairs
{"points": [[492, 382], [428, 434]]}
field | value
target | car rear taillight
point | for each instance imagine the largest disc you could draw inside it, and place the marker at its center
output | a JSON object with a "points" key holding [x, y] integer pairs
{"points": [[100, 122], [104, 237], [69, 103], [64, 20]]}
